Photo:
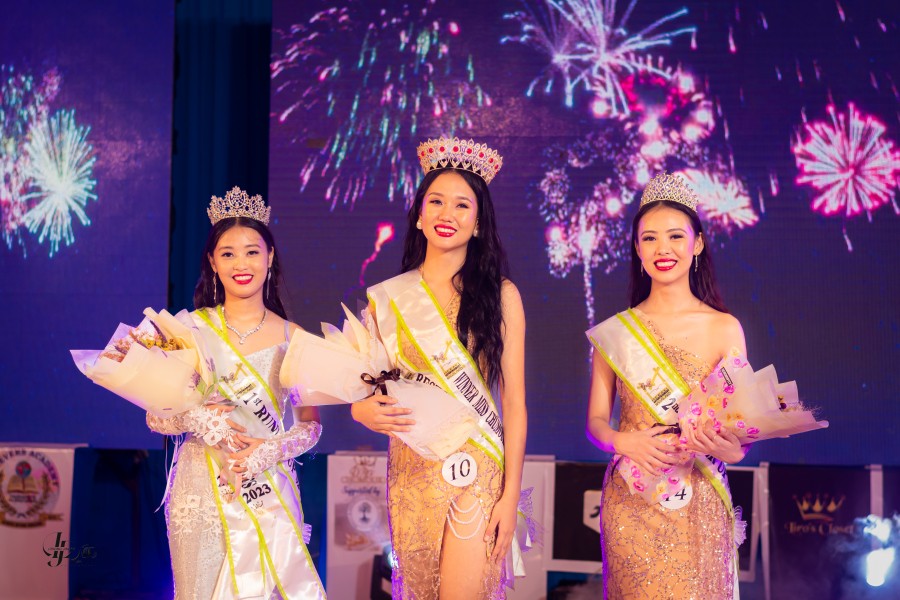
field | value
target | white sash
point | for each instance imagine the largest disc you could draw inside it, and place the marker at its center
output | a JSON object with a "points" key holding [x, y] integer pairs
{"points": [[635, 356], [263, 537], [405, 303]]}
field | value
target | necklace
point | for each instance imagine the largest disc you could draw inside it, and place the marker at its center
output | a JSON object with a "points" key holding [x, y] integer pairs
{"points": [[244, 336]]}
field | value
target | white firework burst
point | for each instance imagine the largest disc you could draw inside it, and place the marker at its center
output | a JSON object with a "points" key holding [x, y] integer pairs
{"points": [[60, 166], [590, 46], [723, 201]]}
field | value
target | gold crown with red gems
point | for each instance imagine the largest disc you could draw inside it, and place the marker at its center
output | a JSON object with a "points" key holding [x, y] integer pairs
{"points": [[444, 153], [237, 203], [669, 187]]}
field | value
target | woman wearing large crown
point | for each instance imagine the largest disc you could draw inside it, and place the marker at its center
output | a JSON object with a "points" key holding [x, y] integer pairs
{"points": [[680, 542], [452, 318], [234, 517]]}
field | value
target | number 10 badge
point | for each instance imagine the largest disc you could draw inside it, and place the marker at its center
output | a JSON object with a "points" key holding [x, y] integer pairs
{"points": [[459, 469]]}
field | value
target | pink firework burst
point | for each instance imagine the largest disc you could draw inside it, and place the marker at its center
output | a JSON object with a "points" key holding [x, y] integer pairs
{"points": [[848, 162]]}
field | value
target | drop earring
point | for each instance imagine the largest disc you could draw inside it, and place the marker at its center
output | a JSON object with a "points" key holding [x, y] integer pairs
{"points": [[268, 282], [642, 269], [215, 290], [696, 263]]}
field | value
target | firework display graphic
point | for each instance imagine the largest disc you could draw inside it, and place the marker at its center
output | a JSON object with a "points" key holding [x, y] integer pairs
{"points": [[849, 163], [46, 163], [591, 47], [647, 117], [403, 74]]}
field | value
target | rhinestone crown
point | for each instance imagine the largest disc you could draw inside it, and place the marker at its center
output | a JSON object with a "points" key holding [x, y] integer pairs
{"points": [[445, 153], [669, 187], [237, 203]]}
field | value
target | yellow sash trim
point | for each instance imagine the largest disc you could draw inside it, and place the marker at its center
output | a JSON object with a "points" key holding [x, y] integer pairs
{"points": [[401, 323], [624, 380], [263, 547], [221, 333], [653, 349], [465, 353], [215, 490], [309, 560], [286, 473], [453, 336]]}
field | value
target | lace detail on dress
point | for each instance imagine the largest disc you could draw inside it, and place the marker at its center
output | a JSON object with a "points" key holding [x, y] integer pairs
{"points": [[287, 446], [196, 537]]}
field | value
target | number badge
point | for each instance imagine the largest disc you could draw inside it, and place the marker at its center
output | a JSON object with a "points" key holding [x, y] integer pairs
{"points": [[679, 498], [460, 469]]}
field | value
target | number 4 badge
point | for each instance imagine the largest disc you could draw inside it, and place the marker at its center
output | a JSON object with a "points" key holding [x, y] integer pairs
{"points": [[679, 498]]}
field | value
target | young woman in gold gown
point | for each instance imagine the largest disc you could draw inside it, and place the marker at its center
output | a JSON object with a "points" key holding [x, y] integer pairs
{"points": [[680, 545], [450, 540]]}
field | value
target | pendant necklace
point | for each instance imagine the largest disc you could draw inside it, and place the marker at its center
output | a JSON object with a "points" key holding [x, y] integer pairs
{"points": [[244, 336]]}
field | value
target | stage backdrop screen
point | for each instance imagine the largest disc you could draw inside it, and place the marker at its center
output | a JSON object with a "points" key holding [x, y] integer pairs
{"points": [[784, 120], [85, 129]]}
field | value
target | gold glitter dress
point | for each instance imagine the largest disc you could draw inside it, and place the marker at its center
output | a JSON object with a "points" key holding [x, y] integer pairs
{"points": [[655, 553], [421, 502]]}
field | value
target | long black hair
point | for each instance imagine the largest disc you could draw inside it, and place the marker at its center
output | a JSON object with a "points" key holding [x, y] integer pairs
{"points": [[702, 280], [478, 281], [203, 292]]}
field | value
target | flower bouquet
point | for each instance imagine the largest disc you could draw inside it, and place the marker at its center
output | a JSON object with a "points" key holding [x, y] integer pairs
{"points": [[158, 365], [754, 406], [351, 363]]}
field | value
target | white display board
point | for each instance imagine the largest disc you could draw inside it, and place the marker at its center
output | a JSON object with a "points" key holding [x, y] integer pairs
{"points": [[35, 517]]}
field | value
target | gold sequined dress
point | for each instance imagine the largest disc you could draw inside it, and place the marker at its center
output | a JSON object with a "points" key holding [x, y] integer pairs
{"points": [[419, 504], [655, 553]]}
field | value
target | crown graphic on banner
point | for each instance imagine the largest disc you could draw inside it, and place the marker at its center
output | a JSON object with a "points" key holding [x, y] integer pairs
{"points": [[237, 203], [446, 153], [819, 507]]}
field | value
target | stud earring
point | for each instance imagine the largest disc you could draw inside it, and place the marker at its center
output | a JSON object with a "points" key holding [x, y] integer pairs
{"points": [[419, 223]]}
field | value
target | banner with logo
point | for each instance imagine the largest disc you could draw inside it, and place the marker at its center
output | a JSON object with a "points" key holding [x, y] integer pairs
{"points": [[35, 515], [357, 521], [814, 538]]}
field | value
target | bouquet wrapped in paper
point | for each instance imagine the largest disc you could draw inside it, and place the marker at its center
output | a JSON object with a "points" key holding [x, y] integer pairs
{"points": [[158, 365], [752, 405], [351, 363]]}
